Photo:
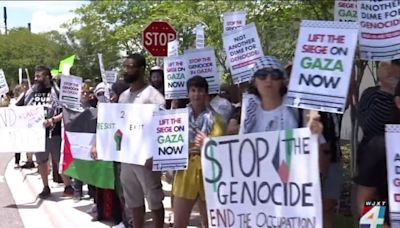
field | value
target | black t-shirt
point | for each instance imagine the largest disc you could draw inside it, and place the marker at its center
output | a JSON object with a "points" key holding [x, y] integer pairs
{"points": [[331, 133], [43, 96]]}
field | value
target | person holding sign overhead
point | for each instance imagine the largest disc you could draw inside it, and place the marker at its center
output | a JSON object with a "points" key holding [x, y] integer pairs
{"points": [[188, 184]]}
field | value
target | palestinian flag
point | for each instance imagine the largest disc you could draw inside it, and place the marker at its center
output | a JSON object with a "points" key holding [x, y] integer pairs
{"points": [[79, 135]]}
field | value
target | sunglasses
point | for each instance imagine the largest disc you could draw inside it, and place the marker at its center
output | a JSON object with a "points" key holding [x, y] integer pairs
{"points": [[274, 74]]}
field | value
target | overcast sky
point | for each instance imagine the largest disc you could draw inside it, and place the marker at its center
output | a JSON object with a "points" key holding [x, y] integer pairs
{"points": [[43, 15]]}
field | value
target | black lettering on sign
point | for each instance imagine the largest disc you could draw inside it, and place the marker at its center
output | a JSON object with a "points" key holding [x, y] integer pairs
{"points": [[170, 150], [176, 84], [318, 80], [8, 118]]}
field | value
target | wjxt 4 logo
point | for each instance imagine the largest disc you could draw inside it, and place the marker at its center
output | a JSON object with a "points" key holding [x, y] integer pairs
{"points": [[373, 215]]}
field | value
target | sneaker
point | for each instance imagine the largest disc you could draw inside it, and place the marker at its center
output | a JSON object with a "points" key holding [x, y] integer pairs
{"points": [[68, 191], [120, 225], [45, 193], [28, 165]]}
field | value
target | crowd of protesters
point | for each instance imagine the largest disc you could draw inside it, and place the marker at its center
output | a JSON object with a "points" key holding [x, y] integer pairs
{"points": [[214, 115]]}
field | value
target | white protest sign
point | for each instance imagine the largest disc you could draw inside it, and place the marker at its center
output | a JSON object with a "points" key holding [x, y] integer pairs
{"points": [[392, 137], [21, 129], [268, 179], [70, 90], [322, 65], [103, 76], [234, 20], [176, 75], [111, 76], [124, 132], [171, 141], [243, 48], [3, 83], [202, 62], [346, 11], [199, 37], [380, 29], [173, 47]]}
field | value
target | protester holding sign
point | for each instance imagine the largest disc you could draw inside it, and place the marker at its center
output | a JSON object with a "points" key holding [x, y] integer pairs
{"points": [[376, 108], [138, 181], [188, 184], [157, 78], [45, 92]]}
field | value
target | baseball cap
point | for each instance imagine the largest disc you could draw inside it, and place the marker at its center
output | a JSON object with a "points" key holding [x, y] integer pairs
{"points": [[156, 68], [267, 63]]}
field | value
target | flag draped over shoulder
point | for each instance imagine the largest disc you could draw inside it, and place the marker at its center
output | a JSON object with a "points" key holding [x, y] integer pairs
{"points": [[79, 135]]}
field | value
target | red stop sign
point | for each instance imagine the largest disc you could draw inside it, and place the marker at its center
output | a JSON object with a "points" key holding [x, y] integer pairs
{"points": [[156, 37]]}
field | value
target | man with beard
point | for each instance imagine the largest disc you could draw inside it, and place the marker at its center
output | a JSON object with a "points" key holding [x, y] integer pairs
{"points": [[140, 181], [45, 92], [157, 78]]}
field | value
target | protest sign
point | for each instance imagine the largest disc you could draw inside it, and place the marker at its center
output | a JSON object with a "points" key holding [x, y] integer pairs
{"points": [[268, 179], [3, 83], [66, 64], [234, 20], [21, 129], [199, 37], [171, 141], [176, 75], [173, 47], [393, 170], [124, 132], [70, 90], [202, 62], [346, 11], [322, 65], [380, 29], [243, 48], [111, 76], [103, 76]]}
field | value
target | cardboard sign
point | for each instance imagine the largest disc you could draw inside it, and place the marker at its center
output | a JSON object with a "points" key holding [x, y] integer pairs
{"points": [[268, 179], [173, 47], [70, 90], [380, 30], [322, 66], [234, 20], [125, 132], [393, 170], [346, 11], [243, 48], [202, 62], [176, 75], [21, 129], [200, 39], [111, 76], [171, 140], [3, 83]]}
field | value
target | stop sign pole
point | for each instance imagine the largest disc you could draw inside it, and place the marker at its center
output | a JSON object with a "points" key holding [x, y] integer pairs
{"points": [[156, 36]]}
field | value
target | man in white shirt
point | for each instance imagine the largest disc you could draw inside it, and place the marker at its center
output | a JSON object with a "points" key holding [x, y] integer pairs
{"points": [[139, 181]]}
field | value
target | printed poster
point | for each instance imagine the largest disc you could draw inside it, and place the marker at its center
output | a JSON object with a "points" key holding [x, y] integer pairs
{"points": [[70, 90], [171, 140], [234, 20], [111, 76], [173, 47], [125, 132], [203, 62], [393, 170], [21, 129], [268, 179], [346, 11], [322, 66], [200, 38], [380, 29], [176, 75], [242, 48], [3, 83]]}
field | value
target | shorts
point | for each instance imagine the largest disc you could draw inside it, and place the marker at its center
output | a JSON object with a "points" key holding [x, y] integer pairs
{"points": [[332, 185], [53, 147], [139, 182], [188, 184]]}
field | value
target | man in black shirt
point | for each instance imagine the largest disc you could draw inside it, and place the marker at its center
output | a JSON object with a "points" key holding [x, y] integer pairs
{"points": [[45, 92]]}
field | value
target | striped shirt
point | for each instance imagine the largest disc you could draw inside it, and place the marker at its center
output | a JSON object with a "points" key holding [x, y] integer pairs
{"points": [[375, 109]]}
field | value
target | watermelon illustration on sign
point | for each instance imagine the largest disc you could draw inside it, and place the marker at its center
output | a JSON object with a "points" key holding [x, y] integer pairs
{"points": [[118, 139]]}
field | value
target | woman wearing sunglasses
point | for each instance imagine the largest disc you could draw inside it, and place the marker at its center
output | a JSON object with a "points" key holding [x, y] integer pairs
{"points": [[265, 110]]}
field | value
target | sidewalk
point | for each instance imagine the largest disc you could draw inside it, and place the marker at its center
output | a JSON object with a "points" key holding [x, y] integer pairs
{"points": [[58, 211]]}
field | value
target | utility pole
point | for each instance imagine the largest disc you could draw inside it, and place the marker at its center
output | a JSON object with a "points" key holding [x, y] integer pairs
{"points": [[29, 27], [5, 19]]}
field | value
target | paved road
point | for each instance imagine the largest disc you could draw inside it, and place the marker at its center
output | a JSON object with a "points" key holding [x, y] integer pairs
{"points": [[9, 216]]}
